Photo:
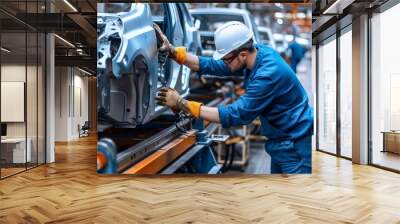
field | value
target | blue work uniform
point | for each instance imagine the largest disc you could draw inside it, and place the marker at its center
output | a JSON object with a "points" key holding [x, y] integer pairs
{"points": [[297, 53], [274, 94]]}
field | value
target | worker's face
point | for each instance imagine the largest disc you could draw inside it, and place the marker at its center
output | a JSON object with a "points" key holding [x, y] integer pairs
{"points": [[236, 61]]}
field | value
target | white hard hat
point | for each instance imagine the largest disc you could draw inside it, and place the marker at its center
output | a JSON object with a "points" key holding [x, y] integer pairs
{"points": [[230, 37]]}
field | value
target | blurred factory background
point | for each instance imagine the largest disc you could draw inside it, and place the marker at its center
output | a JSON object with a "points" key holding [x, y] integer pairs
{"points": [[281, 20], [278, 24]]}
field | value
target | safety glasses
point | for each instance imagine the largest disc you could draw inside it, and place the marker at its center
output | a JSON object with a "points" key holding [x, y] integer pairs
{"points": [[229, 60]]}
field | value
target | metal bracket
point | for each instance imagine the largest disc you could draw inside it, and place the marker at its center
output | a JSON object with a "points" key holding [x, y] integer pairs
{"points": [[219, 138]]}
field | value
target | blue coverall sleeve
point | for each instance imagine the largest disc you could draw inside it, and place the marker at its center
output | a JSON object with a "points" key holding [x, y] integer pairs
{"points": [[210, 66], [258, 97]]}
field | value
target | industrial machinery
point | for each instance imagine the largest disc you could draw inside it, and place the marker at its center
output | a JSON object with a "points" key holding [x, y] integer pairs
{"points": [[162, 146]]}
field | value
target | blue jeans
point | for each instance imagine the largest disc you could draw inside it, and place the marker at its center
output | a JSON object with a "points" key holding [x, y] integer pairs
{"points": [[290, 156]]}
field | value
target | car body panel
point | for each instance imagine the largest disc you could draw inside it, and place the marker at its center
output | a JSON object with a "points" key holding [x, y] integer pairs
{"points": [[192, 34], [129, 72], [123, 35]]}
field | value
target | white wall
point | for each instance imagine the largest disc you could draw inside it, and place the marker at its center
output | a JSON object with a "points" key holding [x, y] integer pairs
{"points": [[61, 103], [80, 102], [71, 94]]}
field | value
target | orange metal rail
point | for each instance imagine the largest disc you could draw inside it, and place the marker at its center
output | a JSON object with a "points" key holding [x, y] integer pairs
{"points": [[164, 156]]}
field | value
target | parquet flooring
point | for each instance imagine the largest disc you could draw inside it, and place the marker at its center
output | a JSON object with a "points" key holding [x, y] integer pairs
{"points": [[70, 191], [10, 171]]}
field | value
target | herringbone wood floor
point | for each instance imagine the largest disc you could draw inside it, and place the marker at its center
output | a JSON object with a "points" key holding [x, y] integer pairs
{"points": [[70, 191]]}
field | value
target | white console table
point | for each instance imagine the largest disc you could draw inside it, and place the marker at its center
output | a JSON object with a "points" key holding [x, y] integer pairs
{"points": [[18, 149]]}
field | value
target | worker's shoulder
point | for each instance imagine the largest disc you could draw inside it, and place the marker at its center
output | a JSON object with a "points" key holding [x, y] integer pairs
{"points": [[264, 49], [267, 55], [269, 61], [271, 67]]}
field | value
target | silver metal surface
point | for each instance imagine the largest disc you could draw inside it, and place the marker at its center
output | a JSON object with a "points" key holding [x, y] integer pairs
{"points": [[137, 152], [128, 66]]}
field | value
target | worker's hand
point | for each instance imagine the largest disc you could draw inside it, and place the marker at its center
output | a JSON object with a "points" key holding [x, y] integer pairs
{"points": [[170, 97], [165, 47], [163, 43]]}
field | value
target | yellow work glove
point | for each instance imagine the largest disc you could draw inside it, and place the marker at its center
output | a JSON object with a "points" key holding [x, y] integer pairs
{"points": [[170, 97], [176, 53], [180, 55]]}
